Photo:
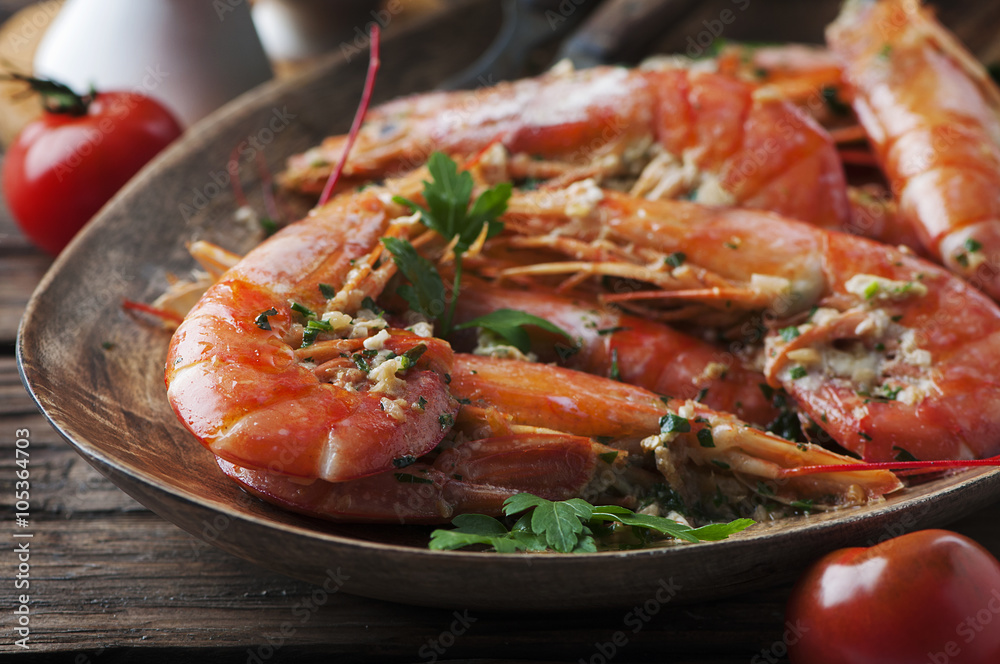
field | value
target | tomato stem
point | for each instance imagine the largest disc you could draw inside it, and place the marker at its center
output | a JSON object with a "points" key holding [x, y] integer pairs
{"points": [[56, 97]]}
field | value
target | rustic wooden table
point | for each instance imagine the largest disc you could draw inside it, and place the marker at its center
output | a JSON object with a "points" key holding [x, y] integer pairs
{"points": [[110, 581]]}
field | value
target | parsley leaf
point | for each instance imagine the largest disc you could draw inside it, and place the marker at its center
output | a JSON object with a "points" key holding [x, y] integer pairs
{"points": [[448, 195], [564, 526], [448, 212], [425, 292], [509, 324]]}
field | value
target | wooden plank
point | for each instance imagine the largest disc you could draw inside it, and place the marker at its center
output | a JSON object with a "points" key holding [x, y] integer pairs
{"points": [[118, 582], [20, 271]]}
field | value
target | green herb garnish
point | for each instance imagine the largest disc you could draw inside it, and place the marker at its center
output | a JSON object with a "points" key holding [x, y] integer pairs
{"points": [[262, 321], [448, 212], [406, 478], [675, 259], [509, 324], [404, 461], [410, 357], [565, 526], [789, 333], [804, 505], [671, 423], [268, 225], [425, 292]]}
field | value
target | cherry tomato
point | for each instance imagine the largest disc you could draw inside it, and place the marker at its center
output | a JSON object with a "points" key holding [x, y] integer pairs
{"points": [[929, 597], [65, 165]]}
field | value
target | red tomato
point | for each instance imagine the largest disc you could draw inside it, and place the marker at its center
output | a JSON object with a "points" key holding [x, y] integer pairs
{"points": [[929, 597], [63, 167]]}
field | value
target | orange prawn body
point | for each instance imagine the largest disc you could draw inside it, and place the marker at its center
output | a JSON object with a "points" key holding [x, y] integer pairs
{"points": [[634, 350], [701, 135], [897, 354], [234, 380], [932, 115]]}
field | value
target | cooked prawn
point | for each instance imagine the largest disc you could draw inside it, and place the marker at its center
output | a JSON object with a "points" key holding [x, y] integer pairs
{"points": [[681, 132], [541, 442], [607, 342], [932, 114], [694, 463], [235, 381], [476, 477], [883, 350], [305, 397]]}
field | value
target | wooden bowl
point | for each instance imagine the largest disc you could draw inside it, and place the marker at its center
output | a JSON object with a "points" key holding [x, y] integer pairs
{"points": [[110, 404]]}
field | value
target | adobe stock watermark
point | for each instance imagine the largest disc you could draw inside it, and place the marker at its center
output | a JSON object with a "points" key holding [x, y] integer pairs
{"points": [[634, 621], [382, 17], [303, 610], [439, 645], [563, 12], [967, 631], [248, 148], [779, 649], [33, 25], [224, 7]]}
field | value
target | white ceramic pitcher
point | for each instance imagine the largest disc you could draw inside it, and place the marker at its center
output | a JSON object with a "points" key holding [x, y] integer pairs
{"points": [[192, 55]]}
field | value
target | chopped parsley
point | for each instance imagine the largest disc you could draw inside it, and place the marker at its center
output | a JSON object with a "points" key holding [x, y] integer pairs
{"points": [[410, 357], [675, 259], [304, 310], [805, 505], [608, 457], [611, 330], [789, 333], [672, 423], [262, 321], [404, 461], [268, 225], [361, 362], [407, 478], [833, 101]]}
